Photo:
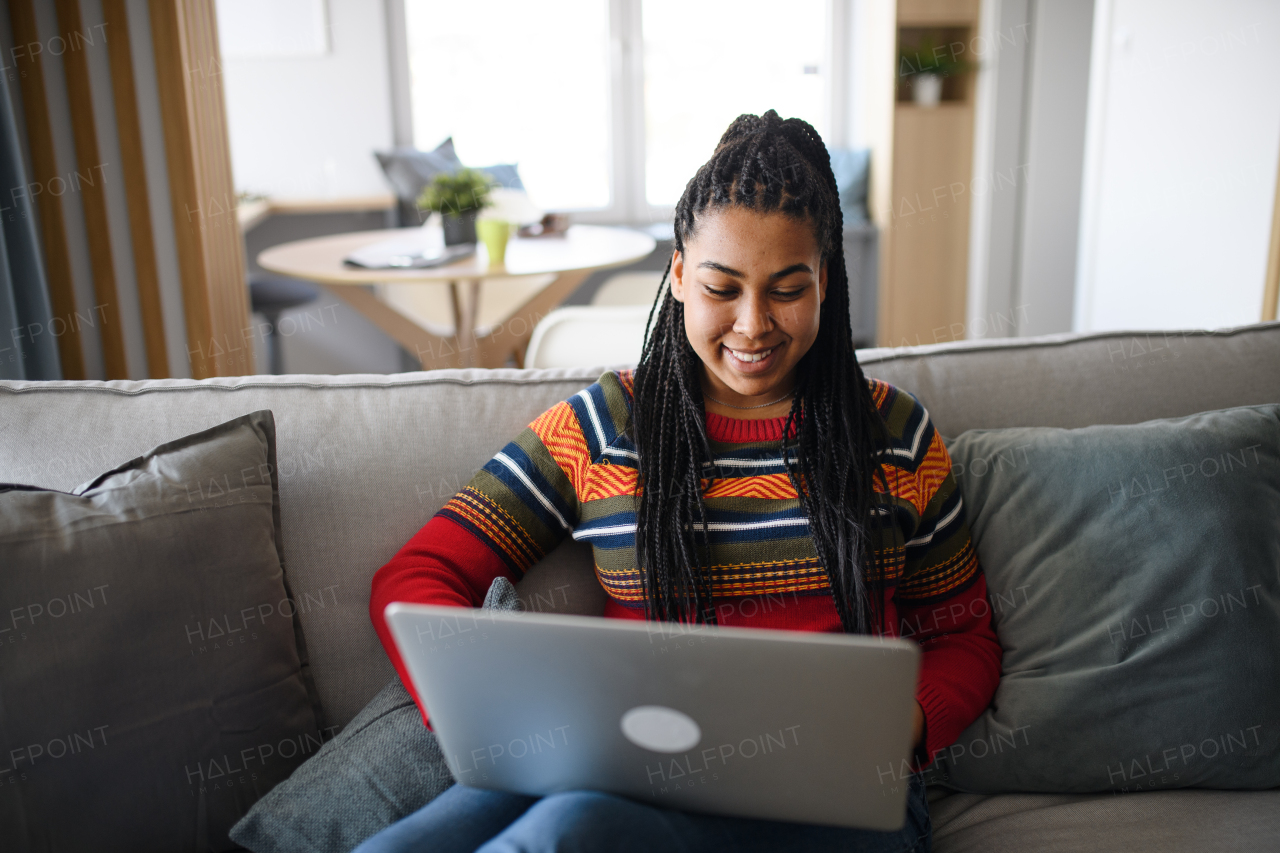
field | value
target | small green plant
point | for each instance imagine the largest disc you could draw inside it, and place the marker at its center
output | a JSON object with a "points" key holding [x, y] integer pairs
{"points": [[456, 193], [929, 57]]}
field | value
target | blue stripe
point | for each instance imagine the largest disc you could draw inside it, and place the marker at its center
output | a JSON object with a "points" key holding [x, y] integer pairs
{"points": [[521, 491]]}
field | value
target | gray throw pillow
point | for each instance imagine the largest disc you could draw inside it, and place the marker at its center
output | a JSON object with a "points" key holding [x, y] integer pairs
{"points": [[382, 767], [409, 170], [1134, 582], [153, 683]]}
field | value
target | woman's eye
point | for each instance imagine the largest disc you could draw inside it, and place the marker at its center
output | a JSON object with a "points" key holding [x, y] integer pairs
{"points": [[787, 294], [714, 291]]}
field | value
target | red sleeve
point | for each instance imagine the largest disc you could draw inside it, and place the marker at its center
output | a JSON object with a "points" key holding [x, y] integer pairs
{"points": [[960, 667], [442, 564]]}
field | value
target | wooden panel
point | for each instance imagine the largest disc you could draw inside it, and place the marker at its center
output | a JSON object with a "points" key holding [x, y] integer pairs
{"points": [[924, 291], [129, 129], [207, 231], [937, 12], [92, 194], [53, 229]]}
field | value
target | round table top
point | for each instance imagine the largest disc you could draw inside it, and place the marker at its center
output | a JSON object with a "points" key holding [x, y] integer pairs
{"points": [[582, 247]]}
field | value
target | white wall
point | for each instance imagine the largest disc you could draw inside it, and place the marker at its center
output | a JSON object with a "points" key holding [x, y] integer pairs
{"points": [[1180, 168], [1053, 151], [1028, 158], [305, 127]]}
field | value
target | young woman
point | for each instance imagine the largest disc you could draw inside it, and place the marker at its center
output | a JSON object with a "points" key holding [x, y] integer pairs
{"points": [[746, 473]]}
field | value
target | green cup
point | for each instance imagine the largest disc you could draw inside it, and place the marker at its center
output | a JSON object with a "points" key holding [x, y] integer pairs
{"points": [[494, 233]]}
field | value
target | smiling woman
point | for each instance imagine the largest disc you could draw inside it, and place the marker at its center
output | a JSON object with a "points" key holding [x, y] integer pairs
{"points": [[745, 473]]}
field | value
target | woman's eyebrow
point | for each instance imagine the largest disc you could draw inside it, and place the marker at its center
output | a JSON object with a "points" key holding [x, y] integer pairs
{"points": [[794, 268]]}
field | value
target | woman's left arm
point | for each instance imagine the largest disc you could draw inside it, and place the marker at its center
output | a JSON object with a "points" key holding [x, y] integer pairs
{"points": [[942, 603]]}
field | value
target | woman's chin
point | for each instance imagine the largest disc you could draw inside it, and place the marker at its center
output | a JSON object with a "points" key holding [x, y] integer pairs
{"points": [[751, 383]]}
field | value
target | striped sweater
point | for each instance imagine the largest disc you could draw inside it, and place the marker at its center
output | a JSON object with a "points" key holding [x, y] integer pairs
{"points": [[572, 472]]}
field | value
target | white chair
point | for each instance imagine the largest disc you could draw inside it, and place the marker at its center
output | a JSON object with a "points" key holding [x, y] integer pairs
{"points": [[588, 336], [629, 288]]}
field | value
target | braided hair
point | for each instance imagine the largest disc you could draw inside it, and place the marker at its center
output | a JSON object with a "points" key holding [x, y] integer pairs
{"points": [[833, 435]]}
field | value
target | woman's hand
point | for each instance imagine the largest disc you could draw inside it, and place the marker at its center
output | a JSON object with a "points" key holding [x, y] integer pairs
{"points": [[917, 727]]}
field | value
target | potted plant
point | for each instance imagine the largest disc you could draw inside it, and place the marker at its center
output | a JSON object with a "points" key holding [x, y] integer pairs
{"points": [[458, 197], [925, 65]]}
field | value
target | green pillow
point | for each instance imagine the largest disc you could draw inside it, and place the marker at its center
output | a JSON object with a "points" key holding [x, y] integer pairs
{"points": [[1134, 582]]}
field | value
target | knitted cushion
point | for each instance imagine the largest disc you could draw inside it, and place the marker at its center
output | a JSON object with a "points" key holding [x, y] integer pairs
{"points": [[1133, 583], [382, 767]]}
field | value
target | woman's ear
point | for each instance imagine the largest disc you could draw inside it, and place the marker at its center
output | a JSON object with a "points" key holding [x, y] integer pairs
{"points": [[677, 276], [822, 282]]}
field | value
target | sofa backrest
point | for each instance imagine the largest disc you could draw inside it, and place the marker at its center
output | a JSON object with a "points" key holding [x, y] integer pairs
{"points": [[365, 460]]}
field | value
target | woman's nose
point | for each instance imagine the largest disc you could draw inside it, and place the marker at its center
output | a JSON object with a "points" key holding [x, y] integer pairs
{"points": [[753, 320]]}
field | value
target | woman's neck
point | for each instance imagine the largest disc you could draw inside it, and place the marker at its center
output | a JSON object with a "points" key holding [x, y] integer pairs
{"points": [[729, 404]]}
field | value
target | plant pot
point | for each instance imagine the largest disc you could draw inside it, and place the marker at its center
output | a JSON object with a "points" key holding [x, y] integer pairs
{"points": [[926, 89], [459, 228]]}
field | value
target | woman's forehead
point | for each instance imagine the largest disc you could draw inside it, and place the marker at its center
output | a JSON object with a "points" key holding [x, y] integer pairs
{"points": [[749, 233]]}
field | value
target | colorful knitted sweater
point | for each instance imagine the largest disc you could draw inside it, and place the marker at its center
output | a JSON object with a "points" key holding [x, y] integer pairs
{"points": [[572, 472]]}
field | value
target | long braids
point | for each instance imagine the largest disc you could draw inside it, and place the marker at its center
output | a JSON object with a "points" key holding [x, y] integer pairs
{"points": [[834, 435]]}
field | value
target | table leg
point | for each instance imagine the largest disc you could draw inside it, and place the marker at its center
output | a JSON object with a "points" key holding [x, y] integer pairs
{"points": [[433, 351], [466, 307], [510, 338]]}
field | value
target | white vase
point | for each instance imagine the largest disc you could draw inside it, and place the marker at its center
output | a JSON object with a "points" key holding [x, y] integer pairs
{"points": [[926, 89]]}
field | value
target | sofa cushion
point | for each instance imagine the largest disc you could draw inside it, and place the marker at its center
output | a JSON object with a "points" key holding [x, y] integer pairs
{"points": [[382, 767], [1192, 821], [1073, 379], [152, 680], [1133, 585]]}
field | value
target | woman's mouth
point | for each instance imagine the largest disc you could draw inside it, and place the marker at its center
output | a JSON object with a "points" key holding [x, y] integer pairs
{"points": [[753, 361]]}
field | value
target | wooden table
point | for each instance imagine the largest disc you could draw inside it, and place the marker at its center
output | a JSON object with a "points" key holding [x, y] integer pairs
{"points": [[572, 257]]}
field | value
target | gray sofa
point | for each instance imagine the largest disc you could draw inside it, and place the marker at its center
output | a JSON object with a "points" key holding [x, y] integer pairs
{"points": [[365, 460]]}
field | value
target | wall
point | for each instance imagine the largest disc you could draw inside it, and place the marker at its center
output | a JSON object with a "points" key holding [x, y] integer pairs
{"points": [[1029, 141], [305, 127], [1184, 132]]}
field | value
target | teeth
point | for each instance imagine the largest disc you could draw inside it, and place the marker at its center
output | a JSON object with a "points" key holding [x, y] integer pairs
{"points": [[750, 357]]}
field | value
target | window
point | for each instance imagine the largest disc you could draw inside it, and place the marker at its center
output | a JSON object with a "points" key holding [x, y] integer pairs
{"points": [[706, 63], [512, 82], [609, 106]]}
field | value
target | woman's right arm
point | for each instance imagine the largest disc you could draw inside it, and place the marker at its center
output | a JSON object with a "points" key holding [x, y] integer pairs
{"points": [[516, 508]]}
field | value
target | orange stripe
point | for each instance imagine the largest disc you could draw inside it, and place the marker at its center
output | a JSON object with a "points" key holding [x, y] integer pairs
{"points": [[769, 486], [559, 431], [610, 481]]}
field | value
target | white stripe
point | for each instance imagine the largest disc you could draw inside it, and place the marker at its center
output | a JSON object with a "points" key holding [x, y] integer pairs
{"points": [[748, 463], [618, 451], [756, 525], [915, 444], [595, 418], [542, 499], [718, 526], [615, 530], [928, 537]]}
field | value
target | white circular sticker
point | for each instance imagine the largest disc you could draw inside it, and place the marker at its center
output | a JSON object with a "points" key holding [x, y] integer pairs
{"points": [[660, 729]]}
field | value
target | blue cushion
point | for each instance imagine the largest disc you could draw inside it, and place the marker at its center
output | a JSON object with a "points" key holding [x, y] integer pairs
{"points": [[1134, 582], [409, 170], [850, 167]]}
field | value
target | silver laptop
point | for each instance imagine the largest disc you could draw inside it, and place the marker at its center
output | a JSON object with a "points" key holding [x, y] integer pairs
{"points": [[780, 725]]}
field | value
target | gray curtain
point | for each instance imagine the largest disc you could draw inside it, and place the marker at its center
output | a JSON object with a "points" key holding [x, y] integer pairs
{"points": [[28, 348]]}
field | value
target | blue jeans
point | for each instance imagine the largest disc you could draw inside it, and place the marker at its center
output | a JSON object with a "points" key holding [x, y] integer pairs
{"points": [[462, 820]]}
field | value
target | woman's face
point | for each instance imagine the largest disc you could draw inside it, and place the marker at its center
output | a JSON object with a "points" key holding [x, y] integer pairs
{"points": [[752, 285]]}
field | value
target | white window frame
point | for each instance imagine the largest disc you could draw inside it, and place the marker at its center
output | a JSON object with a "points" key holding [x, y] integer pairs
{"points": [[628, 204]]}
